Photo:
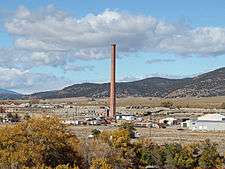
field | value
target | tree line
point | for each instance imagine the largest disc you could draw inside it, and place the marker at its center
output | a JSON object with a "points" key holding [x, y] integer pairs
{"points": [[46, 143]]}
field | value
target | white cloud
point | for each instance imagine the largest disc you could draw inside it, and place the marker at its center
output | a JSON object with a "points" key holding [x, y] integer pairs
{"points": [[168, 76], [52, 30], [28, 82], [153, 61], [11, 58], [51, 37], [22, 12], [129, 79], [36, 45], [78, 68]]}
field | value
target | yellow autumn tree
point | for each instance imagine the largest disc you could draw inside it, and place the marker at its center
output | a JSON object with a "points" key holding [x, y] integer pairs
{"points": [[116, 138], [36, 142], [65, 167], [100, 164], [120, 142]]}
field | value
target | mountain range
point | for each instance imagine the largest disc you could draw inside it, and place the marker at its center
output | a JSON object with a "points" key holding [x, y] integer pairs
{"points": [[8, 94], [205, 85]]}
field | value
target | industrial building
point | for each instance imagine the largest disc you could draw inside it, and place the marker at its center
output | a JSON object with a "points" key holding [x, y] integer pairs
{"points": [[127, 117], [168, 121], [208, 122]]}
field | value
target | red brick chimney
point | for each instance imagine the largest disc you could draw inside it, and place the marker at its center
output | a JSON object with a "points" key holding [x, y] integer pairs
{"points": [[112, 112]]}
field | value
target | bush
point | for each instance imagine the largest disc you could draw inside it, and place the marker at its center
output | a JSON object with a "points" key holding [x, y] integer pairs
{"points": [[167, 104], [96, 132], [13, 117], [222, 105]]}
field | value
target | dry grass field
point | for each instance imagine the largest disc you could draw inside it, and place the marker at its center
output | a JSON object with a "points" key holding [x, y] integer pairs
{"points": [[163, 136], [191, 102], [188, 102]]}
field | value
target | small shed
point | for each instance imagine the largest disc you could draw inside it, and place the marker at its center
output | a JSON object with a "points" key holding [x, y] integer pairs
{"points": [[186, 124], [168, 121]]}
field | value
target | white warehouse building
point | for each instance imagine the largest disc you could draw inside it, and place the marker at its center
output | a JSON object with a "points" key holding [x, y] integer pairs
{"points": [[126, 117], [208, 122]]}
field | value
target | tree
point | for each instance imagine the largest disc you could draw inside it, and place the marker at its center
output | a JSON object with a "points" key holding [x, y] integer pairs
{"points": [[175, 156], [187, 158], [35, 142], [99, 149], [124, 153], [100, 164], [65, 167], [129, 127], [169, 153], [150, 153], [209, 157]]}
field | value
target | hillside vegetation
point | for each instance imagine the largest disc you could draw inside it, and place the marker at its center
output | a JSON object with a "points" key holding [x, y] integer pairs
{"points": [[205, 85]]}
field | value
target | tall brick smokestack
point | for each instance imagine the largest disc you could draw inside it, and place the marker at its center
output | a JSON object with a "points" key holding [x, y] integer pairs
{"points": [[112, 112]]}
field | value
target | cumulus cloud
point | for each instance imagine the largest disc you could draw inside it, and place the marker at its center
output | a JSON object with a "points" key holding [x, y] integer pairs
{"points": [[28, 82], [25, 59], [13, 58], [51, 37], [50, 29], [153, 61]]}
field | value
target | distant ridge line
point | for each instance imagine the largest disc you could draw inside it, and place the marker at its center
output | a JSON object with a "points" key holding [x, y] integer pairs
{"points": [[204, 85]]}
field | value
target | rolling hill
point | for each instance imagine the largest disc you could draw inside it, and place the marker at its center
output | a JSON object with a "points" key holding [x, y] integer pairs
{"points": [[207, 84], [8, 94]]}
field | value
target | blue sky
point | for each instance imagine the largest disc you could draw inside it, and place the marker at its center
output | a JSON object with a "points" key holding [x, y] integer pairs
{"points": [[50, 44]]}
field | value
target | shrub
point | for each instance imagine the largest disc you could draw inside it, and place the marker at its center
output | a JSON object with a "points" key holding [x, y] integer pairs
{"points": [[167, 104], [222, 105], [96, 132]]}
